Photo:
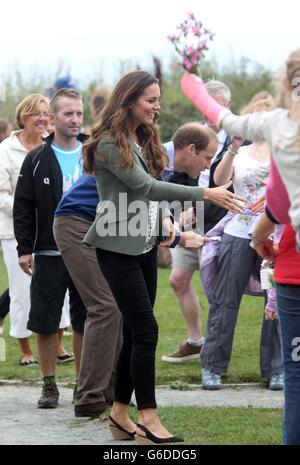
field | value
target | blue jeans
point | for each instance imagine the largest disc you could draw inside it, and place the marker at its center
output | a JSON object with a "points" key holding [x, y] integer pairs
{"points": [[288, 300], [228, 288]]}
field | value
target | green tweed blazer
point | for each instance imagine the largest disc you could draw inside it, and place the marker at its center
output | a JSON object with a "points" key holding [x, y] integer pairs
{"points": [[124, 200]]}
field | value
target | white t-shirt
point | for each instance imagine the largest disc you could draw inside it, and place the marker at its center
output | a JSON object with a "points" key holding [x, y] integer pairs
{"points": [[246, 184]]}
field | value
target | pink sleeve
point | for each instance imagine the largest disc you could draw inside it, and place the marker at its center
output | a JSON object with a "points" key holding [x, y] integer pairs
{"points": [[195, 91], [277, 197]]}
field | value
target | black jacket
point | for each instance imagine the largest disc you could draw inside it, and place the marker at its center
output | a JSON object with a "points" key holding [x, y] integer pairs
{"points": [[38, 192], [184, 179]]}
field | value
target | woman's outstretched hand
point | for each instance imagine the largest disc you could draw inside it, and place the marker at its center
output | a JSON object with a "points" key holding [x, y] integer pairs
{"points": [[223, 198], [259, 205]]}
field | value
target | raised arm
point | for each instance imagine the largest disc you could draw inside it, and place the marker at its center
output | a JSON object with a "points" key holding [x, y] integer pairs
{"points": [[140, 181], [224, 171], [255, 126]]}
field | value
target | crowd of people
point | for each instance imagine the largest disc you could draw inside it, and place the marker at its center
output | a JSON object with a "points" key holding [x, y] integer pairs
{"points": [[82, 216]]}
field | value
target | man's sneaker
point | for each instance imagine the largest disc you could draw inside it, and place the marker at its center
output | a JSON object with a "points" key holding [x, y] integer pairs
{"points": [[49, 397], [210, 380], [276, 383], [183, 353]]}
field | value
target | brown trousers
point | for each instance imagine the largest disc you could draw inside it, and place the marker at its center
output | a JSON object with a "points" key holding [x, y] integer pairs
{"points": [[103, 326]]}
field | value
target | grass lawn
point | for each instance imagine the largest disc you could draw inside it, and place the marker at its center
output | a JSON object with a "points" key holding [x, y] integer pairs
{"points": [[197, 425], [244, 366], [223, 426]]}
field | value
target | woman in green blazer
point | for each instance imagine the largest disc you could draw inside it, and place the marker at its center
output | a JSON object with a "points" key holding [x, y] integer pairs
{"points": [[125, 154]]}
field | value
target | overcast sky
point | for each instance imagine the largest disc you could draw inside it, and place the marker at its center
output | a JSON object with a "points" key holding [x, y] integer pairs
{"points": [[94, 35]]}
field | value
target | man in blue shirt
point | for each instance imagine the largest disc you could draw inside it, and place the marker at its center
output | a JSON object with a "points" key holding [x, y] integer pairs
{"points": [[47, 173]]}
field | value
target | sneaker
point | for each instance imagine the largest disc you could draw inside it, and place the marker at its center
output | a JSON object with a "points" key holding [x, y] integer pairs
{"points": [[276, 383], [210, 380], [183, 353], [49, 397], [66, 358], [90, 410]]}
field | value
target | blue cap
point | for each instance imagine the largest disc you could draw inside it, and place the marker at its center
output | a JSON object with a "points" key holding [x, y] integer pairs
{"points": [[64, 82]]}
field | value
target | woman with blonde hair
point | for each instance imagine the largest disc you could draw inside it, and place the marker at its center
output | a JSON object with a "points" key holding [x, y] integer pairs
{"points": [[32, 120], [261, 101]]}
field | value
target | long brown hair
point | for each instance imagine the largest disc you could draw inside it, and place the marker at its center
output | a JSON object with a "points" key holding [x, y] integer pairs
{"points": [[114, 122]]}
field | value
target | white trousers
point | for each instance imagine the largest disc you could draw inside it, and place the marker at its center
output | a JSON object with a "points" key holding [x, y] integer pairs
{"points": [[19, 293]]}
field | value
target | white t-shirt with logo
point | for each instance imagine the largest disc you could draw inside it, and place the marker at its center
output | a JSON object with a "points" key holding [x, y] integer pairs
{"points": [[246, 184]]}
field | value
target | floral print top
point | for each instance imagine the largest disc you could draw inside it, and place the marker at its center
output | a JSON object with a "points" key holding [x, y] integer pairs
{"points": [[248, 174]]}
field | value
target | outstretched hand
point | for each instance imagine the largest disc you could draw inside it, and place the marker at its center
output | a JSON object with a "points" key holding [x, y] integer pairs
{"points": [[259, 205], [223, 198]]}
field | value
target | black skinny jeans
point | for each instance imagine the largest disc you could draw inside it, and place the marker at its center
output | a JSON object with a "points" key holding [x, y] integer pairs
{"points": [[133, 282]]}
